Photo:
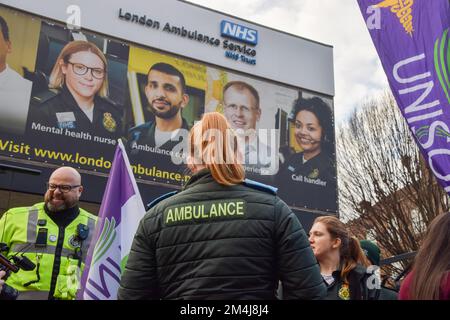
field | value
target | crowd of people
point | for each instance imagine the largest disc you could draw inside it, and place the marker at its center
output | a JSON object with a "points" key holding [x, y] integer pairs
{"points": [[255, 249], [254, 244]]}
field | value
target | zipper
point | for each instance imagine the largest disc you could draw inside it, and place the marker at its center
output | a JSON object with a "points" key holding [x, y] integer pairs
{"points": [[56, 262]]}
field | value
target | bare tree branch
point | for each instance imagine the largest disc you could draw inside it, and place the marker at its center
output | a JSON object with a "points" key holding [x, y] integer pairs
{"points": [[386, 188]]}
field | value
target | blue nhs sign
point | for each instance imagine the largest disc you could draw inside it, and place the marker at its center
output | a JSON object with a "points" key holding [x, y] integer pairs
{"points": [[238, 32]]}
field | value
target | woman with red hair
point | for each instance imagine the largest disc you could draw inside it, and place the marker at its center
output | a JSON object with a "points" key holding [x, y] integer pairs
{"points": [[221, 237]]}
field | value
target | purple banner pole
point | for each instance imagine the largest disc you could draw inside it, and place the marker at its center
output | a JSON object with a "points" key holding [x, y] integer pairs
{"points": [[120, 212]]}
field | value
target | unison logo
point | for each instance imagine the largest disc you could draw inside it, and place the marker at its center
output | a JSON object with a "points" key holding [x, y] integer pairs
{"points": [[442, 61], [238, 32]]}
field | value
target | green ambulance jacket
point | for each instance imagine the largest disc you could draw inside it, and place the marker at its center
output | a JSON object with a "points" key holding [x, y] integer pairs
{"points": [[19, 229]]}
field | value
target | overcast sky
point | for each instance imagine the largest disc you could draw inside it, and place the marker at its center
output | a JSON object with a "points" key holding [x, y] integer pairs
{"points": [[358, 74]]}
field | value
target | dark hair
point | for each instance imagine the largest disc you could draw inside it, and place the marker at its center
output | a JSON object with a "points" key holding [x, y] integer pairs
{"points": [[322, 112], [171, 70], [241, 85], [4, 28], [432, 263], [350, 251]]}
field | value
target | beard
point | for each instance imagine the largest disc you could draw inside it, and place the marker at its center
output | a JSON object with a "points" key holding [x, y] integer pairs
{"points": [[66, 204], [168, 114], [53, 208]]}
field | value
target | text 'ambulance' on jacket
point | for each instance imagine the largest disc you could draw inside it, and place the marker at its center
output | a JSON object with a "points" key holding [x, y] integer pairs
{"points": [[220, 242]]}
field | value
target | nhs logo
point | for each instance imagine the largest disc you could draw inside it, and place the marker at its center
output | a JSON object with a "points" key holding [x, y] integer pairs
{"points": [[238, 32]]}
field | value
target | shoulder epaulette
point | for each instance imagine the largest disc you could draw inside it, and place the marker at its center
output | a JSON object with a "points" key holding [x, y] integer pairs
{"points": [[141, 126], [136, 131], [111, 106], [109, 100], [160, 198], [260, 186], [44, 96]]}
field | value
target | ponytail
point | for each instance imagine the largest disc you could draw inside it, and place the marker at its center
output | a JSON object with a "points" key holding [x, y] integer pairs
{"points": [[351, 257]]}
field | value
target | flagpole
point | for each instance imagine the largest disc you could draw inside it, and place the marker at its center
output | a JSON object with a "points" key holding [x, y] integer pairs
{"points": [[120, 213]]}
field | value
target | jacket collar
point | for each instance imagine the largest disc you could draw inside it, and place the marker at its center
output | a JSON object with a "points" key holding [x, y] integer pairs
{"points": [[68, 98], [201, 176], [70, 101], [149, 131], [359, 270], [63, 218], [354, 278]]}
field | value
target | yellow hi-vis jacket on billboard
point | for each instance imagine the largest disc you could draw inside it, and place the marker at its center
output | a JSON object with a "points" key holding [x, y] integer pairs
{"points": [[30, 231]]}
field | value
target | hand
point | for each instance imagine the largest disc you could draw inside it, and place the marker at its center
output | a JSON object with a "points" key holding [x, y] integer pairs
{"points": [[2, 274]]}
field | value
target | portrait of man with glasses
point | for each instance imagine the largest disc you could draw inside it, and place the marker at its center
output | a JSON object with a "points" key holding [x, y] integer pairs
{"points": [[80, 104]]}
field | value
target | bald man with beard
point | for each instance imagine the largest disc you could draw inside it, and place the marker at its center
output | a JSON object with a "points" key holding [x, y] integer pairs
{"points": [[56, 200], [55, 235]]}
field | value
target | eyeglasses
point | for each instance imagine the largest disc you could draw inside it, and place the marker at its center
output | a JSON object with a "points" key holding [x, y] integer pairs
{"points": [[80, 69], [234, 108], [64, 188]]}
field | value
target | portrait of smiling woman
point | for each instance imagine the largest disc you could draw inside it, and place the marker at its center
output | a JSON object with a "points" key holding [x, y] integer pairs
{"points": [[308, 178], [80, 104]]}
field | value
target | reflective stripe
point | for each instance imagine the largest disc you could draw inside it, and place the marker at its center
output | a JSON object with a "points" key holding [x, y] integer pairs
{"points": [[49, 249], [86, 243], [32, 223], [67, 252], [30, 248], [33, 295]]}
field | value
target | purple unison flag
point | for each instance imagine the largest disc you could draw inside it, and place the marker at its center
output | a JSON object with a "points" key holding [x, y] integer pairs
{"points": [[412, 40], [120, 213]]}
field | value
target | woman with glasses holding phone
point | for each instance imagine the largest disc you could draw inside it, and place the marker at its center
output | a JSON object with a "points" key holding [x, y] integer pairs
{"points": [[80, 79]]}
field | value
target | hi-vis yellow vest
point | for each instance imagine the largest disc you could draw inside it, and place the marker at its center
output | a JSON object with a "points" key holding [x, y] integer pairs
{"points": [[19, 228]]}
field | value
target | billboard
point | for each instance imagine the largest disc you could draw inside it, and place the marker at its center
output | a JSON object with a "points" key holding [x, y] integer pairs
{"points": [[75, 92]]}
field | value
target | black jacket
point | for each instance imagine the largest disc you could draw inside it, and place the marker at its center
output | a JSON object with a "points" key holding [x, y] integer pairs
{"points": [[311, 184], [144, 134], [220, 242], [358, 287], [61, 111]]}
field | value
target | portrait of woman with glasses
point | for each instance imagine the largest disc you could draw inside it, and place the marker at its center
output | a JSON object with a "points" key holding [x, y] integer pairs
{"points": [[80, 80]]}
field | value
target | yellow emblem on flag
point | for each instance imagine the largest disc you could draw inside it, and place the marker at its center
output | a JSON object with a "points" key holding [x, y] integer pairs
{"points": [[403, 11]]}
